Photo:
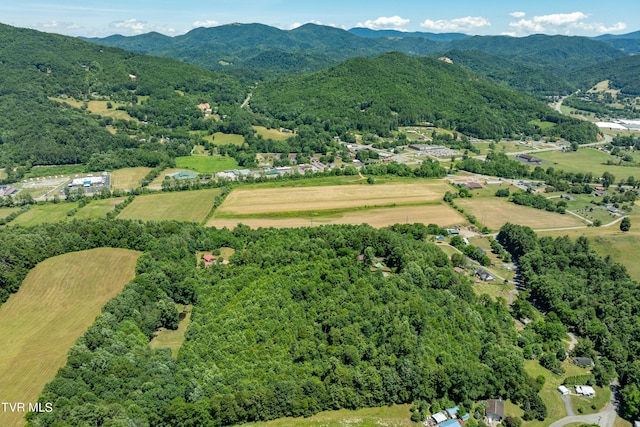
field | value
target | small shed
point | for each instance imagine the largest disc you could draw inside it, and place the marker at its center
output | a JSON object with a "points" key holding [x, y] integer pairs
{"points": [[583, 362], [440, 417], [563, 390], [495, 409], [452, 412]]}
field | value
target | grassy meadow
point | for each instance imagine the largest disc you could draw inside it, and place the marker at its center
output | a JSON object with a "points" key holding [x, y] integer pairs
{"points": [[439, 213], [97, 209], [220, 138], [66, 170], [49, 213], [206, 164], [5, 212], [180, 206], [389, 416], [274, 134], [128, 178], [166, 338], [57, 301], [587, 160], [494, 212]]}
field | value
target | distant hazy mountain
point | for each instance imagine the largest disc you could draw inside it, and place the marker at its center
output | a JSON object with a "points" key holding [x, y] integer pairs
{"points": [[375, 34], [260, 51], [629, 43]]}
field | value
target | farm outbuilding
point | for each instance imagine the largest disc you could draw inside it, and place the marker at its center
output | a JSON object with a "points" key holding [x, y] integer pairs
{"points": [[585, 390], [564, 390]]}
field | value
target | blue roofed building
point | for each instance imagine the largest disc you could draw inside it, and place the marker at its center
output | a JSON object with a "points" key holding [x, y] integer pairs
{"points": [[453, 411], [450, 423]]}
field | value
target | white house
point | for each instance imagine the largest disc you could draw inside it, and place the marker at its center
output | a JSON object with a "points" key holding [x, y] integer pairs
{"points": [[585, 390]]}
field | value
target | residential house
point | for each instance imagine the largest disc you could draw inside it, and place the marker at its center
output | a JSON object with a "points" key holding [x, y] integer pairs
{"points": [[495, 410], [585, 390], [208, 259], [485, 276], [450, 423]]}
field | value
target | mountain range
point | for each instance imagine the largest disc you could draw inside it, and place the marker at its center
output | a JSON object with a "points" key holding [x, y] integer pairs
{"points": [[259, 52]]}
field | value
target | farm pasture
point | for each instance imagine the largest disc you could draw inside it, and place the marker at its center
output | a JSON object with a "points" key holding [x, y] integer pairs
{"points": [[56, 303], [128, 178], [206, 164], [278, 200], [376, 217], [179, 206], [494, 212]]}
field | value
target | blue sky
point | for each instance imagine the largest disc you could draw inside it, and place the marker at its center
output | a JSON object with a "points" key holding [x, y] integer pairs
{"points": [[517, 18]]}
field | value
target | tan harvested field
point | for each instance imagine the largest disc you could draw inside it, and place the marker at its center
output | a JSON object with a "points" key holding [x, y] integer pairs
{"points": [[493, 213], [128, 178], [59, 299], [269, 200], [180, 206], [440, 214]]}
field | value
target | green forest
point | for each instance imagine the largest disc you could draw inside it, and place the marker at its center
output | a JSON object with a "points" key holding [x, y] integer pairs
{"points": [[296, 324]]}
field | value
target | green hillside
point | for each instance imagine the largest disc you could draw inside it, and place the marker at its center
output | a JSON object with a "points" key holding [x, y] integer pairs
{"points": [[380, 94], [36, 66], [511, 73], [622, 74]]}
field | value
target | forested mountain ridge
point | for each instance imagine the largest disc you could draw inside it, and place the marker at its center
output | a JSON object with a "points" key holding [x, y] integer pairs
{"points": [[622, 74], [313, 47], [392, 90], [35, 66]]}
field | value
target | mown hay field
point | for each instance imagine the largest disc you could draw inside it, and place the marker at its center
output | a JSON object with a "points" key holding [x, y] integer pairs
{"points": [[190, 206], [376, 217], [128, 178], [273, 200], [58, 300], [494, 212], [49, 213]]}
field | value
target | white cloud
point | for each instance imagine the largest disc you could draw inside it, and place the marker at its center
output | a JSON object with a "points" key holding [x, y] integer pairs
{"points": [[386, 23], [509, 33], [518, 15], [468, 23], [558, 19], [563, 23], [57, 25], [208, 23], [132, 25]]}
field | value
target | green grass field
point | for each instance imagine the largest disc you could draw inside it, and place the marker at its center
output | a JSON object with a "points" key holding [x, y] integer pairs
{"points": [[99, 107], [274, 134], [128, 178], [206, 164], [166, 338], [49, 213], [549, 392], [56, 303], [98, 208], [3, 174], [180, 206], [587, 160], [389, 416], [5, 212], [585, 405], [66, 170], [219, 138]]}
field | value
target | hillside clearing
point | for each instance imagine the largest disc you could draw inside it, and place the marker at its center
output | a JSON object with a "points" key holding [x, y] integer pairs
{"points": [[274, 134], [98, 208], [166, 338], [206, 164], [180, 206], [57, 301]]}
